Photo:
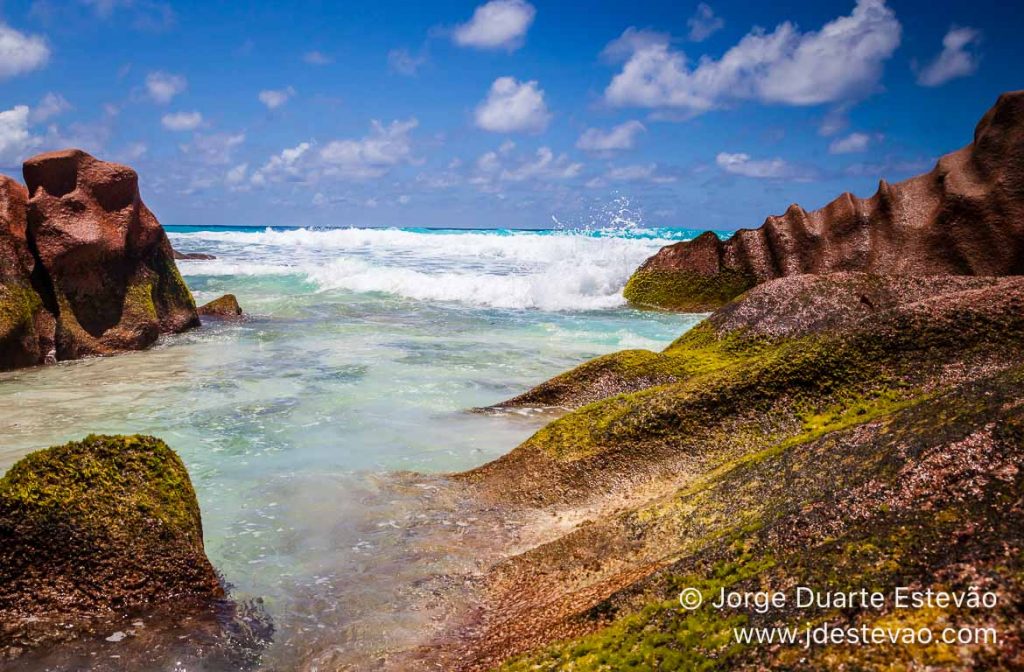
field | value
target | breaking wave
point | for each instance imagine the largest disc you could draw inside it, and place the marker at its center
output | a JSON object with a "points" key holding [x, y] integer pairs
{"points": [[545, 270]]}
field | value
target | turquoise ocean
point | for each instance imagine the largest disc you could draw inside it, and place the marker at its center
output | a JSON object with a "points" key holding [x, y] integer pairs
{"points": [[363, 354]]}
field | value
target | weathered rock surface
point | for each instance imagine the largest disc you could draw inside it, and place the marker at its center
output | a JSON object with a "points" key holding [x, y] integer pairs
{"points": [[792, 307], [224, 307], [93, 528], [841, 432], [87, 268], [26, 328], [108, 260], [965, 217]]}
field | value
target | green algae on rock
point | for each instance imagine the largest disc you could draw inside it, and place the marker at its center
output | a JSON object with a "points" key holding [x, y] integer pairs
{"points": [[85, 267], [224, 307], [26, 329], [684, 291], [97, 526], [845, 430], [897, 499]]}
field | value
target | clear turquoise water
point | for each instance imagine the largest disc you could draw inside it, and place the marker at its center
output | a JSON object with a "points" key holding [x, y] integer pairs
{"points": [[361, 356]]}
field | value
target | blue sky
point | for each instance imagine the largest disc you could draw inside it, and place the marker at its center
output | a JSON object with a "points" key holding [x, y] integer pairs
{"points": [[508, 113]]}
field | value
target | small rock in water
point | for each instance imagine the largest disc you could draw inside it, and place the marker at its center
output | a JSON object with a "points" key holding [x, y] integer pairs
{"points": [[224, 307], [116, 637]]}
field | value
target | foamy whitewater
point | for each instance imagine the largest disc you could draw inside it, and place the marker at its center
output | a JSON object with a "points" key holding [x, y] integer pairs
{"points": [[546, 270], [361, 356]]}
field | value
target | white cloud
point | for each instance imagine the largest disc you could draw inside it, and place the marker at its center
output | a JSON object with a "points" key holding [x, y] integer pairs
{"points": [[622, 136], [275, 98], [15, 139], [20, 53], [743, 164], [163, 87], [51, 105], [373, 155], [892, 168], [495, 168], [144, 14], [404, 63], [954, 60], [842, 61], [637, 173], [545, 165], [132, 152], [631, 41], [216, 149], [104, 7], [92, 136], [182, 121], [237, 174], [850, 144], [283, 165], [499, 24], [350, 159], [642, 172], [703, 24], [317, 58], [835, 120], [512, 107]]}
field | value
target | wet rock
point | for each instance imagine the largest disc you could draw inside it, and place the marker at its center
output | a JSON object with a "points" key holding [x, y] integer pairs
{"points": [[192, 256], [965, 217], [26, 327], [869, 423], [834, 305], [93, 528], [109, 273], [223, 307]]}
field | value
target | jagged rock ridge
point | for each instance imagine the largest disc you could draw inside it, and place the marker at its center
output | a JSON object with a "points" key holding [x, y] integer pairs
{"points": [[965, 217]]}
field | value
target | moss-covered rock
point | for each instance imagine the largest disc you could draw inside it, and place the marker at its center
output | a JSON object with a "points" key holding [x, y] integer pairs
{"points": [[85, 267], [20, 308], [923, 494], [684, 291], [224, 307], [807, 437], [109, 268], [833, 306], [98, 526], [26, 328]]}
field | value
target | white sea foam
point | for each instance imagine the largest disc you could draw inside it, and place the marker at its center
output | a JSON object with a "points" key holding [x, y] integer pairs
{"points": [[546, 271]]}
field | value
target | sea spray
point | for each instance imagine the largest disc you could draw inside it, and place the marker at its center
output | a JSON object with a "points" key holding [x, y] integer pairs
{"points": [[545, 270]]}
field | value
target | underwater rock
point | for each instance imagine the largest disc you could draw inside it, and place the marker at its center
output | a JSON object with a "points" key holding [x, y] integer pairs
{"points": [[224, 307], [96, 527], [965, 217], [110, 275]]}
